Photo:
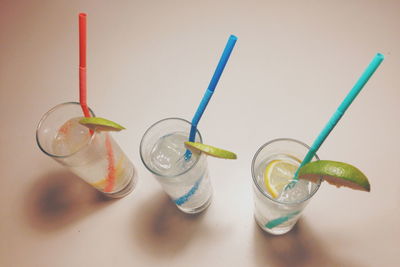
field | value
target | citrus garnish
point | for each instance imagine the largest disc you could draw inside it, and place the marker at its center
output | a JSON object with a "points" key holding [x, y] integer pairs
{"points": [[210, 150], [100, 124], [335, 173], [118, 174], [277, 175]]}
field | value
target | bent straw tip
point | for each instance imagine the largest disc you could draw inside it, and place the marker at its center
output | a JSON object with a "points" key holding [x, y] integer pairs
{"points": [[82, 15]]}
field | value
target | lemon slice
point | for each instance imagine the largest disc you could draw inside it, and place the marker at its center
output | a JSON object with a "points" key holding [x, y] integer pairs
{"points": [[210, 150], [277, 175], [335, 173], [100, 124]]}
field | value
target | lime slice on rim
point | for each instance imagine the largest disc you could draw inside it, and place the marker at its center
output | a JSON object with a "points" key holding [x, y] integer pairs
{"points": [[100, 124], [335, 173], [277, 175], [210, 150]]}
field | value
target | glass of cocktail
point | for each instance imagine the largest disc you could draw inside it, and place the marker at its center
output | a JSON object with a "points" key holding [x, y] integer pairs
{"points": [[183, 174], [287, 173], [83, 144], [93, 156], [186, 181], [273, 166]]}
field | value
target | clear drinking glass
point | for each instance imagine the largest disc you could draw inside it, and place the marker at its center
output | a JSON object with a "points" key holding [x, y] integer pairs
{"points": [[96, 158], [186, 181], [278, 216]]}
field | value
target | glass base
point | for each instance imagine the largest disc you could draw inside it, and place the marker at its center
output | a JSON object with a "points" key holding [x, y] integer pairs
{"points": [[197, 209], [276, 230], [124, 191]]}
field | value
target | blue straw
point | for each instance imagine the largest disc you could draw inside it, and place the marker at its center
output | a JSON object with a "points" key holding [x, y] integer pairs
{"points": [[372, 67], [274, 223], [210, 90]]}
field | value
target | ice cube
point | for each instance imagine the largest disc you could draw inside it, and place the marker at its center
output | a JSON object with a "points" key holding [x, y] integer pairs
{"points": [[71, 137], [168, 154], [299, 192]]}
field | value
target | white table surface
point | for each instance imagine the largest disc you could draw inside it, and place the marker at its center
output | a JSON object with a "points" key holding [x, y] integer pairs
{"points": [[292, 65]]}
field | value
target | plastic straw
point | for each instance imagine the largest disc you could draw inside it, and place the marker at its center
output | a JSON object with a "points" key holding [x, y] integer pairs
{"points": [[275, 222], [83, 101], [210, 90], [369, 71], [82, 64]]}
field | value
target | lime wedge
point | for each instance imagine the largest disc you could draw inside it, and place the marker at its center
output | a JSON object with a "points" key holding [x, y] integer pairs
{"points": [[100, 124], [277, 175], [335, 173], [210, 150]]}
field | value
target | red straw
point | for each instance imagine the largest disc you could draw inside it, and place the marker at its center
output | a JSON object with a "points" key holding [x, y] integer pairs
{"points": [[82, 99], [111, 167], [82, 64], [82, 40]]}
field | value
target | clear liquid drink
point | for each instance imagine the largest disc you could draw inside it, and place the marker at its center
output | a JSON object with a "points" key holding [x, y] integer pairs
{"points": [[186, 181], [94, 157], [279, 215]]}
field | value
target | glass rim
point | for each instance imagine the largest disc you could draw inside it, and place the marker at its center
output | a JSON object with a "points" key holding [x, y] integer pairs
{"points": [[44, 117], [259, 187], [145, 134]]}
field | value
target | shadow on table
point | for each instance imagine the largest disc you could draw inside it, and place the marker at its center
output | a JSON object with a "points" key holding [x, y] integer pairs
{"points": [[161, 229], [299, 247], [58, 199]]}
